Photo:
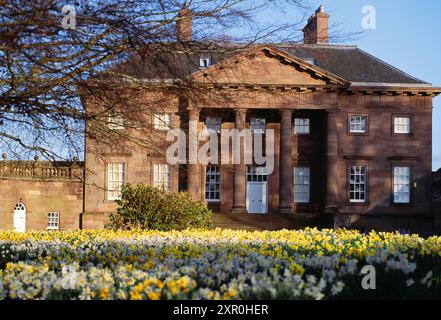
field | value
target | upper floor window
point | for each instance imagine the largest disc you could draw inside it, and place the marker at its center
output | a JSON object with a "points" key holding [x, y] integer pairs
{"points": [[357, 184], [213, 123], [401, 124], [301, 184], [212, 184], [115, 180], [161, 175], [302, 126], [162, 121], [115, 121], [53, 221], [401, 177], [358, 124], [258, 125], [205, 60]]}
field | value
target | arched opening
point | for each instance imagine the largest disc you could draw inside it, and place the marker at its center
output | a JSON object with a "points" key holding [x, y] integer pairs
{"points": [[20, 217]]}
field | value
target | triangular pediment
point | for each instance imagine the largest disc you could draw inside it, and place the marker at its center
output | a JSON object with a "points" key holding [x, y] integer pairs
{"points": [[266, 66]]}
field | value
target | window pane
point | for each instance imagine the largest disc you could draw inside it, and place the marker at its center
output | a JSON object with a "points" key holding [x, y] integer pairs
{"points": [[212, 183], [115, 180], [301, 126], [301, 184], [162, 121], [115, 121], [357, 184], [258, 125], [358, 124], [213, 123], [53, 221], [161, 175], [401, 184], [402, 125]]}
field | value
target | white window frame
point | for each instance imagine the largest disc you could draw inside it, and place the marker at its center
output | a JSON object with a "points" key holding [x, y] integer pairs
{"points": [[302, 184], [162, 121], [401, 184], [356, 123], [302, 126], [358, 180], [53, 220], [257, 174], [205, 60], [401, 124], [115, 121], [212, 184], [115, 180], [258, 125], [161, 175], [213, 123]]}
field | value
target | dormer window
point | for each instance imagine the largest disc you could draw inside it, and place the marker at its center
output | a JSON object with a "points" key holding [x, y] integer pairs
{"points": [[205, 60]]}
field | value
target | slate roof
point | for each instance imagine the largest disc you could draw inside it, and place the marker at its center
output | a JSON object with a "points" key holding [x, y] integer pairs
{"points": [[347, 62], [351, 64]]}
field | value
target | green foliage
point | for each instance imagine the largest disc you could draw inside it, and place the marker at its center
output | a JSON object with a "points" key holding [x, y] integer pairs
{"points": [[148, 207]]}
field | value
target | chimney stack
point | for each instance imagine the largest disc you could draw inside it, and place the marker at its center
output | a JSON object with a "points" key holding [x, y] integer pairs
{"points": [[184, 24], [316, 31]]}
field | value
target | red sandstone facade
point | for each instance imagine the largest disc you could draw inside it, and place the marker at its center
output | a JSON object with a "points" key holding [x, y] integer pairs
{"points": [[353, 136]]}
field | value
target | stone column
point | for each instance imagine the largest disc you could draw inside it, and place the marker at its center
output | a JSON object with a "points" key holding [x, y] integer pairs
{"points": [[331, 162], [285, 170], [240, 170], [194, 175]]}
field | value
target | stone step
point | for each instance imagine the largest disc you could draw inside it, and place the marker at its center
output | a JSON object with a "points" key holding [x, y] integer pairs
{"points": [[271, 221]]}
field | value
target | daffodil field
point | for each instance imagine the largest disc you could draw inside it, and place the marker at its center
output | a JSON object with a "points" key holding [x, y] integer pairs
{"points": [[216, 264]]}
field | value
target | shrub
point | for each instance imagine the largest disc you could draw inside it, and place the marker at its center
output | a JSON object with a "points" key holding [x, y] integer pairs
{"points": [[149, 207]]}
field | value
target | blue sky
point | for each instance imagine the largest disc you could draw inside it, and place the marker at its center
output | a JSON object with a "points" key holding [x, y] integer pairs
{"points": [[407, 35]]}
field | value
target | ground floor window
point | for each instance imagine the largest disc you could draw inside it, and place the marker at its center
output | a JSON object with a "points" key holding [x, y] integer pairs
{"points": [[115, 180], [161, 175], [401, 177], [357, 184], [53, 221], [302, 184], [212, 184]]}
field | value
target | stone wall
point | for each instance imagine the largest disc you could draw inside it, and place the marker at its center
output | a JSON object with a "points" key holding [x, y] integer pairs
{"points": [[42, 187]]}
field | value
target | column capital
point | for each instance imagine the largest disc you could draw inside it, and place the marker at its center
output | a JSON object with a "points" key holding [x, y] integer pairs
{"points": [[286, 112], [193, 113]]}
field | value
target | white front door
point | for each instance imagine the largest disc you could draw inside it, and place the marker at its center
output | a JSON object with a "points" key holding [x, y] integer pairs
{"points": [[20, 217], [257, 190]]}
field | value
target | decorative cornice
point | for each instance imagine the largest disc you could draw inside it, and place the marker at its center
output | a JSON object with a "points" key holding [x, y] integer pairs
{"points": [[358, 157], [402, 158]]}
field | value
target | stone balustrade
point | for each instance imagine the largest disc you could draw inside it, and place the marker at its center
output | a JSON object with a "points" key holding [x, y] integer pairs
{"points": [[45, 170]]}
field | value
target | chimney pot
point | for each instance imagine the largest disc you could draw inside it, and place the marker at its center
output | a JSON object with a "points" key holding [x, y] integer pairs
{"points": [[184, 25], [316, 30]]}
